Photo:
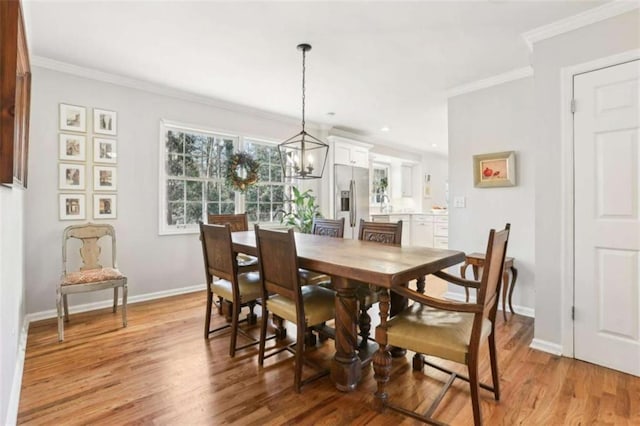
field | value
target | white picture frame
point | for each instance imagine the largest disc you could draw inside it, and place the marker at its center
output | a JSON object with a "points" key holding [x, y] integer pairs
{"points": [[105, 206], [72, 207], [105, 151], [72, 118], [72, 147], [105, 178], [105, 122], [71, 176]]}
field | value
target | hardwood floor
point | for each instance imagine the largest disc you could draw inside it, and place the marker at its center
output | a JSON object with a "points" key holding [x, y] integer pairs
{"points": [[160, 370]]}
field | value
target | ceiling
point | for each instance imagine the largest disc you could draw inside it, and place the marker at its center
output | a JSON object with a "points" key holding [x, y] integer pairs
{"points": [[373, 64]]}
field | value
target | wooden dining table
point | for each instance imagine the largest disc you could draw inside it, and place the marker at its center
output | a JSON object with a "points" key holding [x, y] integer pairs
{"points": [[349, 262]]}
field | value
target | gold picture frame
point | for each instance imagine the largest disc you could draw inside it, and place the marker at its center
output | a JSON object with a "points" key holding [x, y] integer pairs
{"points": [[497, 169]]}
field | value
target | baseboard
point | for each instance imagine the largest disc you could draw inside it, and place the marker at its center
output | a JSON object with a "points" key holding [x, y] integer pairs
{"points": [[544, 346], [520, 310], [53, 313], [16, 386]]}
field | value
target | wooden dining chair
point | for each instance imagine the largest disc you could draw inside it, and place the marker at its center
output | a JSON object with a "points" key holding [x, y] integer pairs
{"points": [[329, 228], [92, 275], [284, 296], [445, 329], [225, 281], [238, 222], [367, 294]]}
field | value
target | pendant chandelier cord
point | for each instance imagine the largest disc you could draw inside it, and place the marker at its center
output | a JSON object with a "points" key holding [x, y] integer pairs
{"points": [[304, 54]]}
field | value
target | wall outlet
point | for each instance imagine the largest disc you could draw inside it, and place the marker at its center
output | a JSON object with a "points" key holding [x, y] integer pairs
{"points": [[459, 202]]}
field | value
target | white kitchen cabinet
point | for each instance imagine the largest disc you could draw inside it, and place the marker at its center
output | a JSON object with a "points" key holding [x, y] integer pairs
{"points": [[422, 230], [406, 181], [351, 155]]}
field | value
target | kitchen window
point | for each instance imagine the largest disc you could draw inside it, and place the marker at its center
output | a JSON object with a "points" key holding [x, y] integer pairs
{"points": [[192, 178]]}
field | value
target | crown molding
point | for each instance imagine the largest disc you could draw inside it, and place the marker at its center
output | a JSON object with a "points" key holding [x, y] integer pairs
{"points": [[588, 17], [157, 89], [506, 77]]}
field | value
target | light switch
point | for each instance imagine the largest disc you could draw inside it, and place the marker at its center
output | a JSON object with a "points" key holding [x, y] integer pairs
{"points": [[459, 202]]}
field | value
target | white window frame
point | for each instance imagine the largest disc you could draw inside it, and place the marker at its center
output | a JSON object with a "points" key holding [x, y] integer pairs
{"points": [[239, 200]]}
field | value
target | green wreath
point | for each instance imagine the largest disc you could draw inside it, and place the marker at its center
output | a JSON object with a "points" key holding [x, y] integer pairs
{"points": [[236, 164]]}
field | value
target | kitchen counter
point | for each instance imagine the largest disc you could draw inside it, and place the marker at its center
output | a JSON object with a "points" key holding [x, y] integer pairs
{"points": [[420, 229]]}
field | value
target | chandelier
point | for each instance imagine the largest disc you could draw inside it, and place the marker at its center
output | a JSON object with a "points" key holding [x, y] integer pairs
{"points": [[303, 156]]}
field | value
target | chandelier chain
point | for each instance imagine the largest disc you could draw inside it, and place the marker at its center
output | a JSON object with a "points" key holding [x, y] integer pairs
{"points": [[304, 54]]}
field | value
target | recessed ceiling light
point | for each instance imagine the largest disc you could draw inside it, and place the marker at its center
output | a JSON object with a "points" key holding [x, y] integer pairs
{"points": [[384, 129], [331, 113], [434, 145]]}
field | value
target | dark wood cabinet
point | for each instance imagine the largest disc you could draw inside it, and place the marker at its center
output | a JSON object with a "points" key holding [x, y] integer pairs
{"points": [[15, 93]]}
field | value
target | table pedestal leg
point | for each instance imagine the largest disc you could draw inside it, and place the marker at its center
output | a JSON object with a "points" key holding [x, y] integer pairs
{"points": [[382, 358], [346, 367]]}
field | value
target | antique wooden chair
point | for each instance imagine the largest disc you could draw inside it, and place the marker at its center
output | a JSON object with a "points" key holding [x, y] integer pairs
{"points": [[367, 295], [284, 296], [238, 222], [330, 228], [91, 275], [224, 280], [445, 329]]}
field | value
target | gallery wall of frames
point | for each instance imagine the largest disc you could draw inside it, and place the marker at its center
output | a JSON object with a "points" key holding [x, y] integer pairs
{"points": [[87, 163]]}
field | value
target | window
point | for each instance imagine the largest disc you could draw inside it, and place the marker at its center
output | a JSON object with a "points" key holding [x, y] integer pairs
{"points": [[264, 200], [193, 184]]}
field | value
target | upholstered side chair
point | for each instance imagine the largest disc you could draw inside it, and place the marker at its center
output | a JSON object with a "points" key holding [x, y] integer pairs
{"points": [[92, 275], [224, 280], [284, 296], [367, 295]]}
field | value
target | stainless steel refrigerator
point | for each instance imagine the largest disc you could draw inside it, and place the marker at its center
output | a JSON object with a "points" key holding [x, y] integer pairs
{"points": [[351, 197]]}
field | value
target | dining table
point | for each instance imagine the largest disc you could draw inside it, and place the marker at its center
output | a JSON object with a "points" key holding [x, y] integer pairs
{"points": [[350, 262]]}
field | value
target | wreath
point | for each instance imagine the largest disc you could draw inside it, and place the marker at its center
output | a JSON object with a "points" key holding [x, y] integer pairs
{"points": [[242, 171]]}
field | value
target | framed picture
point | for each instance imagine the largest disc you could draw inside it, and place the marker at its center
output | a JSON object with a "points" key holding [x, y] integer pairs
{"points": [[72, 207], [494, 170], [105, 122], [105, 178], [104, 150], [72, 147], [71, 176], [73, 118], [104, 206]]}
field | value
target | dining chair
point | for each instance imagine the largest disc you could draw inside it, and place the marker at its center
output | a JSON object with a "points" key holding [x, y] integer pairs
{"points": [[446, 329], [284, 296], [329, 228], [225, 281], [367, 294], [91, 275], [238, 222]]}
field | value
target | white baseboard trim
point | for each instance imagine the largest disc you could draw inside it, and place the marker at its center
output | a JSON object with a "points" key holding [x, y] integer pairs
{"points": [[53, 313], [520, 310], [544, 346], [16, 386]]}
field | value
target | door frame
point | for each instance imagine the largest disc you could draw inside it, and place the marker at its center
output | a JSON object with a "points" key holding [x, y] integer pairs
{"points": [[567, 261]]}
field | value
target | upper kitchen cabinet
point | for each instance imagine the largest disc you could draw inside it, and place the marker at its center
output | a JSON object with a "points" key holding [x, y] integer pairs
{"points": [[350, 153], [406, 180]]}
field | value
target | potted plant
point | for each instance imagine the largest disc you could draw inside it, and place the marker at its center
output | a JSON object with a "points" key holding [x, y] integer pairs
{"points": [[302, 210]]}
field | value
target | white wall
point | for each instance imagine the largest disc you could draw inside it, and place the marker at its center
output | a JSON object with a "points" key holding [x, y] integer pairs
{"points": [[153, 263], [602, 39], [495, 119], [12, 299], [437, 166]]}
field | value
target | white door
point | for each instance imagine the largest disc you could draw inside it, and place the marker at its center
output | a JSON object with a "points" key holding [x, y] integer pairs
{"points": [[607, 217]]}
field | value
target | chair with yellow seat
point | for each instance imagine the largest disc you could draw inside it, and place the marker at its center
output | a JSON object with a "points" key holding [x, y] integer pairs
{"points": [[329, 228], [225, 281], [284, 296], [367, 295], [91, 275], [445, 329]]}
